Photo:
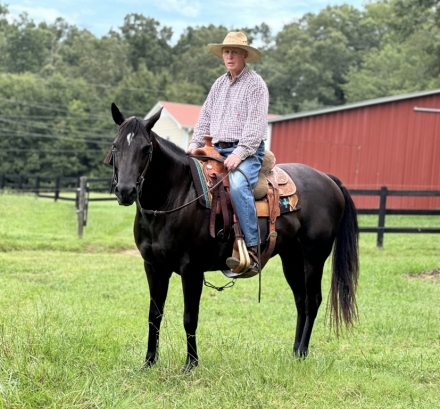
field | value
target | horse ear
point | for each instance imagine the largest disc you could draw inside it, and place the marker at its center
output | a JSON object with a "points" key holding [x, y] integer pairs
{"points": [[117, 115], [152, 120]]}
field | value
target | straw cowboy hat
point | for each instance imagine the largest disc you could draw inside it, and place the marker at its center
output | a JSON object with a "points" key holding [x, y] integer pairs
{"points": [[239, 40]]}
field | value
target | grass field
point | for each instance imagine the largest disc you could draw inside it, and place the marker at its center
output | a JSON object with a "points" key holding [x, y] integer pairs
{"points": [[73, 324]]}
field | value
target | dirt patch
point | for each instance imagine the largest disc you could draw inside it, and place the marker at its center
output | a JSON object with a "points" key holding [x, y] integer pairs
{"points": [[427, 275]]}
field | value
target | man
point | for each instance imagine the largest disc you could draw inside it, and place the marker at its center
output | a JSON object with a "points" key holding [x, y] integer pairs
{"points": [[235, 115]]}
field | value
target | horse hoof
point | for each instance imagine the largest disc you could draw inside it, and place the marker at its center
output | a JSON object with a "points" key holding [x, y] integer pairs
{"points": [[188, 367], [301, 354], [149, 362]]}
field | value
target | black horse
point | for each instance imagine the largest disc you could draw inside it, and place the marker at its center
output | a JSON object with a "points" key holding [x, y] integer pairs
{"points": [[172, 234]]}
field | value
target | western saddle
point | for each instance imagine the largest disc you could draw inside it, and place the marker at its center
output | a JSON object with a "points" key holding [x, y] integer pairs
{"points": [[274, 194]]}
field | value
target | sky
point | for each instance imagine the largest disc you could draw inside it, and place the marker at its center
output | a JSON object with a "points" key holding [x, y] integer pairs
{"points": [[100, 16]]}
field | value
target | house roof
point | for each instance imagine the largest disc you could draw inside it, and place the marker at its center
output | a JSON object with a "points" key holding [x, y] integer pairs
{"points": [[360, 104], [185, 115]]}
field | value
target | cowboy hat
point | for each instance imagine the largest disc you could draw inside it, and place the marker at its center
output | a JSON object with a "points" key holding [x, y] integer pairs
{"points": [[239, 40]]}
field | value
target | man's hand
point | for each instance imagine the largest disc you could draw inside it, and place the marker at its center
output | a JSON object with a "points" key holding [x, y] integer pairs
{"points": [[232, 162]]}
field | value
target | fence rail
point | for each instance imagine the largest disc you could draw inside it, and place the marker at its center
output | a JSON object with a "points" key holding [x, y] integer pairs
{"points": [[52, 187], [382, 211]]}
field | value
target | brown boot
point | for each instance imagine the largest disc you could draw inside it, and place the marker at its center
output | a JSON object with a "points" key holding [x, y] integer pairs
{"points": [[255, 266], [233, 262]]}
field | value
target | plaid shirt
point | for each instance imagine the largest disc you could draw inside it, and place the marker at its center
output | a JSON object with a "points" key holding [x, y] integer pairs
{"points": [[235, 111]]}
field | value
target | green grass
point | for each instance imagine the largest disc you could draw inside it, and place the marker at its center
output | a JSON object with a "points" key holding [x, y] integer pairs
{"points": [[73, 324]]}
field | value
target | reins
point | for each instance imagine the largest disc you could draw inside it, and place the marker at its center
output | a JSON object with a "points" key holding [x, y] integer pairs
{"points": [[163, 212]]}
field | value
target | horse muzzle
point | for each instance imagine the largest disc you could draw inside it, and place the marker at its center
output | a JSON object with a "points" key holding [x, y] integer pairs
{"points": [[126, 195]]}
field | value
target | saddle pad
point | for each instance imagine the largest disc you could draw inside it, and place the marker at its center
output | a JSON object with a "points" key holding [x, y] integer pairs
{"points": [[200, 182]]}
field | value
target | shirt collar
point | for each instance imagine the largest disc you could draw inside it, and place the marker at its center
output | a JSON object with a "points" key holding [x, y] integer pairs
{"points": [[242, 73]]}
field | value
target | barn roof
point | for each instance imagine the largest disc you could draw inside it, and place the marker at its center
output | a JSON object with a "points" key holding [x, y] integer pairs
{"points": [[360, 104]]}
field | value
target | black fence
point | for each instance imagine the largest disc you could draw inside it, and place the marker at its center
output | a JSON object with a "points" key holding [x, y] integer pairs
{"points": [[54, 187], [382, 211]]}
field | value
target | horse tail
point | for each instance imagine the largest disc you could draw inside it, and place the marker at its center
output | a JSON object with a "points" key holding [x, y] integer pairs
{"points": [[343, 306]]}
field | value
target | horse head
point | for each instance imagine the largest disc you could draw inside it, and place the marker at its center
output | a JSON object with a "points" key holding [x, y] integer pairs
{"points": [[130, 154]]}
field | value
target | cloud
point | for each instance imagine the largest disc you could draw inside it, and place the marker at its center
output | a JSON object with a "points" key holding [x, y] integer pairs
{"points": [[40, 14], [185, 8]]}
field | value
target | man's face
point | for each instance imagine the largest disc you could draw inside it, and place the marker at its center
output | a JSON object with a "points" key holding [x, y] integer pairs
{"points": [[234, 59]]}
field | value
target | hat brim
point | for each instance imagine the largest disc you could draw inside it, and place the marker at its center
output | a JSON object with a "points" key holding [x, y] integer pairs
{"points": [[253, 54]]}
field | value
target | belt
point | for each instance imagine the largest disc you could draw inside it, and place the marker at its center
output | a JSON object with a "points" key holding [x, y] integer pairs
{"points": [[225, 145]]}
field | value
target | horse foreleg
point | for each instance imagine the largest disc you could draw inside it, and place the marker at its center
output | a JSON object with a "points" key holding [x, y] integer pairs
{"points": [[192, 290], [158, 285]]}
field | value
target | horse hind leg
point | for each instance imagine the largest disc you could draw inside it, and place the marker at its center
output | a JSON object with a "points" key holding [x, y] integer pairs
{"points": [[315, 255], [304, 276], [313, 276], [293, 267]]}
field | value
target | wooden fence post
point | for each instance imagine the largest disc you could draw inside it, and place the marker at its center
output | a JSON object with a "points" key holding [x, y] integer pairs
{"points": [[382, 213], [37, 185], [57, 188], [81, 200]]}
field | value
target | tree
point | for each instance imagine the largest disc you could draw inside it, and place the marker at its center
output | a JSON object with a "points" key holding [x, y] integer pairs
{"points": [[27, 47], [406, 59], [48, 128], [102, 63], [147, 44], [312, 56], [193, 61]]}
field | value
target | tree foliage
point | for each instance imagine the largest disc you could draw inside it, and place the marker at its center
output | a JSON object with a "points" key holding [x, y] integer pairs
{"points": [[57, 82]]}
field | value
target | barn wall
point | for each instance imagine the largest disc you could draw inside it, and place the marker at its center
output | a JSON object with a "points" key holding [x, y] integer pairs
{"points": [[386, 144]]}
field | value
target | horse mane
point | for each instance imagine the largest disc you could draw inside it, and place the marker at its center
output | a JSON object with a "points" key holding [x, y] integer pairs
{"points": [[177, 153]]}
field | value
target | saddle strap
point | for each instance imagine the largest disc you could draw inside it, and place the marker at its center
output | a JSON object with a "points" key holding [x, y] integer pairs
{"points": [[272, 198], [225, 205]]}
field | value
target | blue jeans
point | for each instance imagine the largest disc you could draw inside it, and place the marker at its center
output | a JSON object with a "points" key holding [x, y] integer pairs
{"points": [[241, 192]]}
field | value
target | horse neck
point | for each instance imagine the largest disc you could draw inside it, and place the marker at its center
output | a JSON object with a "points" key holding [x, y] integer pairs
{"points": [[167, 179]]}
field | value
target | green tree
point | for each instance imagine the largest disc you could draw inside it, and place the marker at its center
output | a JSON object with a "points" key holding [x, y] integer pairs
{"points": [[102, 63], [193, 61], [48, 128], [147, 43], [137, 93], [312, 56], [406, 59], [27, 46]]}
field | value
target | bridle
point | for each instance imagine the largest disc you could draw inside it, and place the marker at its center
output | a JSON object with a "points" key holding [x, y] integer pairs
{"points": [[141, 177]]}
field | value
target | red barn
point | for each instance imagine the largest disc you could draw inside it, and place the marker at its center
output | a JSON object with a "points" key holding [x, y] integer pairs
{"points": [[392, 141]]}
